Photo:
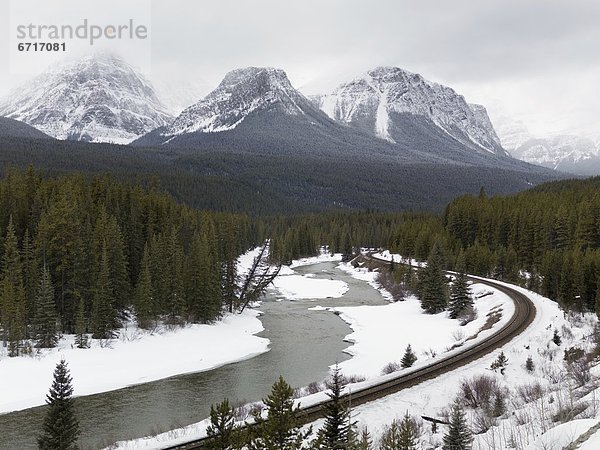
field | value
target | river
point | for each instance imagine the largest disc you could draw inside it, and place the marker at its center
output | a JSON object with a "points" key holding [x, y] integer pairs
{"points": [[303, 345]]}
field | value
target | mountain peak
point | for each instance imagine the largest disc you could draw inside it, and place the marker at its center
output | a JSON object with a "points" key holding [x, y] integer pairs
{"points": [[379, 101], [241, 93], [98, 98]]}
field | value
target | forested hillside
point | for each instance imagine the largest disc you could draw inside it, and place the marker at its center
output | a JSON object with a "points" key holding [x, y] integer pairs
{"points": [[90, 252]]}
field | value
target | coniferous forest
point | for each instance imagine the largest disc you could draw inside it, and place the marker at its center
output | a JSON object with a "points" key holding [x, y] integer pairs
{"points": [[81, 255]]}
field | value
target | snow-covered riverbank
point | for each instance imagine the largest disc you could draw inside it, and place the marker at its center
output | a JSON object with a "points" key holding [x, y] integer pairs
{"points": [[135, 357]]}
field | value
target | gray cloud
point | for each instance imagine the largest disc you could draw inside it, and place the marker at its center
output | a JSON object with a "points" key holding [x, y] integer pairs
{"points": [[513, 53]]}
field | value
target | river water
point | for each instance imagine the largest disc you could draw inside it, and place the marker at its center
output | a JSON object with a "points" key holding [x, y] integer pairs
{"points": [[303, 345]]}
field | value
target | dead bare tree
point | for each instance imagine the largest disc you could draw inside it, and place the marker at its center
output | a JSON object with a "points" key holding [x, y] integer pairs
{"points": [[258, 278]]}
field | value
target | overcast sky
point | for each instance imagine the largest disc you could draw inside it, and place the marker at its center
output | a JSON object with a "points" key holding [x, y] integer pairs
{"points": [[535, 60]]}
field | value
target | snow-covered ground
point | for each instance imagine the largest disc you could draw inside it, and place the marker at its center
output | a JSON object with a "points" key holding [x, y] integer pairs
{"points": [[132, 357], [380, 335], [135, 357]]}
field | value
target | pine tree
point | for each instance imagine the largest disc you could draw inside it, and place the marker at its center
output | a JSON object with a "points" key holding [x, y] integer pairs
{"points": [[61, 428], [556, 337], [103, 320], [45, 314], [409, 357], [221, 430], [81, 337], [12, 293], [408, 433], [281, 429], [433, 285], [458, 436], [529, 364], [499, 405], [500, 363], [460, 293], [390, 439], [365, 442], [337, 426], [144, 298]]}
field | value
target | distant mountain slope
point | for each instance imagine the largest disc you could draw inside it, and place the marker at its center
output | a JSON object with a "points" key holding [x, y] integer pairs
{"points": [[386, 100], [14, 129], [257, 110], [573, 154], [99, 98]]}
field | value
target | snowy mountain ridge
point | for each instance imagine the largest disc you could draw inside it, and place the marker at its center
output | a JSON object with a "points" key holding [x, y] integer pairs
{"points": [[241, 93], [373, 100], [99, 98]]}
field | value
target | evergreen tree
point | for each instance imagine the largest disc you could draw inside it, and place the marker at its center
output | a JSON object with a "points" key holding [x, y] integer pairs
{"points": [[408, 433], [103, 320], [281, 429], [144, 299], [556, 337], [458, 436], [337, 426], [433, 285], [61, 428], [529, 364], [409, 357], [81, 337], [499, 405], [460, 292], [365, 442], [45, 314], [390, 439], [12, 293], [221, 430], [500, 363]]}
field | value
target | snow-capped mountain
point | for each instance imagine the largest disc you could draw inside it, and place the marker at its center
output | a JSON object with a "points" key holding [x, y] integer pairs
{"points": [[99, 98], [380, 101], [241, 93], [567, 153]]}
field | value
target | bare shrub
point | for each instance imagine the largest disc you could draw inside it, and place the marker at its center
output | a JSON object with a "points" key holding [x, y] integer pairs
{"points": [[579, 371], [482, 422], [314, 387], [458, 335], [530, 392], [553, 374], [479, 390], [566, 332], [398, 291], [390, 368], [569, 412], [468, 314], [353, 379]]}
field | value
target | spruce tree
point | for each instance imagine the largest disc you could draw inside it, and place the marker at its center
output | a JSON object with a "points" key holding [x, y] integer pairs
{"points": [[103, 320], [281, 429], [460, 292], [556, 337], [81, 337], [500, 363], [390, 439], [337, 426], [433, 285], [458, 436], [12, 293], [409, 357], [144, 298], [61, 427], [221, 430], [529, 364], [408, 433], [364, 441], [45, 314]]}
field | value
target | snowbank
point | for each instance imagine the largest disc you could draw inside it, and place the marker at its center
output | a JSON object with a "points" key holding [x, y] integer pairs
{"points": [[294, 286], [136, 357]]}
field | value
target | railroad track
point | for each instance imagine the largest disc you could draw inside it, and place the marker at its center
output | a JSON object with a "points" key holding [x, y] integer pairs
{"points": [[523, 316]]}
